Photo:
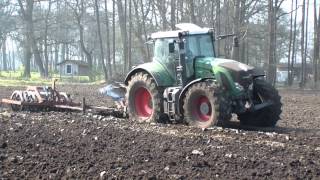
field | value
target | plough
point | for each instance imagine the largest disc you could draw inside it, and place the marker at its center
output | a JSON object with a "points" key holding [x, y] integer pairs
{"points": [[45, 98]]}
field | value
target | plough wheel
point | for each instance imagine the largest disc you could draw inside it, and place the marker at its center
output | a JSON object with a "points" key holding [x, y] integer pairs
{"points": [[17, 97]]}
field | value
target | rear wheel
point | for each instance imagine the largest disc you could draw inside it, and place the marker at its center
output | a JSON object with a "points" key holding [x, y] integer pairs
{"points": [[268, 116], [144, 98], [202, 105]]}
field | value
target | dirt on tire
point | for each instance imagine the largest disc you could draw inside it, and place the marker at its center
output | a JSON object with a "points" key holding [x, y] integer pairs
{"points": [[62, 145]]}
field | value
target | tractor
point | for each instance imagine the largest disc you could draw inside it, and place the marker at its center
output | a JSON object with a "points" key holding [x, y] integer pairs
{"points": [[187, 82]]}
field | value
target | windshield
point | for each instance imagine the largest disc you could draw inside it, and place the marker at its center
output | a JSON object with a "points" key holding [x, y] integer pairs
{"points": [[199, 45]]}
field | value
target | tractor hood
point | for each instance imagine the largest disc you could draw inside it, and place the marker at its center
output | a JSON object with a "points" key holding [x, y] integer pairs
{"points": [[227, 70], [232, 65], [240, 72]]}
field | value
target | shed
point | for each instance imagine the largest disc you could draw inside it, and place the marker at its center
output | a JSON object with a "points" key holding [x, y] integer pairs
{"points": [[73, 68]]}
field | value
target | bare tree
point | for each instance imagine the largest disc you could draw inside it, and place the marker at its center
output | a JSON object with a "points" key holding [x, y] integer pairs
{"points": [[114, 35], [130, 36], [105, 70], [108, 38], [173, 14], [26, 12], [303, 57], [79, 10], [273, 8], [290, 44], [46, 66], [123, 30], [316, 47], [4, 54]]}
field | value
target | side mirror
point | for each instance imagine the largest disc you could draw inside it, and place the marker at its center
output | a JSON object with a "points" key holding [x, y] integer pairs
{"points": [[171, 47]]}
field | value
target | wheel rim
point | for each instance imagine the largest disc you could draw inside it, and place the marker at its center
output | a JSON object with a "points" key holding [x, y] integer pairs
{"points": [[143, 103], [202, 110]]}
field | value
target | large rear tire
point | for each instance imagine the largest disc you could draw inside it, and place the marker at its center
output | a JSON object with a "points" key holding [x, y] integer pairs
{"points": [[203, 105], [268, 116], [143, 98]]}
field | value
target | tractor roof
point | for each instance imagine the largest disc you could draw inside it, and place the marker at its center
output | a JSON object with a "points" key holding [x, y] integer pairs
{"points": [[183, 27]]}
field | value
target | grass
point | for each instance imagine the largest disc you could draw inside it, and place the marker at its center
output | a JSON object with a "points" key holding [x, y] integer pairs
{"points": [[11, 78]]}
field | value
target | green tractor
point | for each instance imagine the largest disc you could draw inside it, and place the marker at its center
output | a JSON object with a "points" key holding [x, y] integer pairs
{"points": [[187, 82]]}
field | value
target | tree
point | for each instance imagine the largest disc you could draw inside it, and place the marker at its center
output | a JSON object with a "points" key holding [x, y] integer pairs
{"points": [[27, 16], [273, 8], [123, 30], [4, 54], [46, 67], [316, 46], [303, 55], [108, 38], [79, 10], [105, 70]]}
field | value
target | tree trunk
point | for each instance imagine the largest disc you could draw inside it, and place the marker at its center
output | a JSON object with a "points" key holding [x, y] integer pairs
{"points": [[306, 47], [4, 54], [139, 32], [192, 12], [236, 29], [316, 47], [291, 78], [290, 44], [271, 76], [130, 36], [145, 31], [105, 70], [218, 25], [108, 39], [114, 35], [27, 17], [302, 80], [27, 57], [173, 14], [13, 58], [123, 30], [56, 56], [46, 67]]}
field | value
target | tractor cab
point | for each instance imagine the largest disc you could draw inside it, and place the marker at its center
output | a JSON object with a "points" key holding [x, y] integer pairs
{"points": [[198, 43]]}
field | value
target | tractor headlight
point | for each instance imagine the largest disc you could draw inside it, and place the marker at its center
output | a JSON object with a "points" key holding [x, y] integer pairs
{"points": [[239, 87]]}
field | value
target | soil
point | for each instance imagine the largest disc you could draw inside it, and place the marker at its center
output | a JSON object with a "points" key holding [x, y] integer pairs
{"points": [[70, 145]]}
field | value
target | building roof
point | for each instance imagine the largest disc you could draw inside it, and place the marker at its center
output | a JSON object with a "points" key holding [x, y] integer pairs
{"points": [[78, 62], [183, 27]]}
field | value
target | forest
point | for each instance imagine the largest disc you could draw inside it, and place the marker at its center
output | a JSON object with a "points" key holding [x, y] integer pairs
{"points": [[280, 36]]}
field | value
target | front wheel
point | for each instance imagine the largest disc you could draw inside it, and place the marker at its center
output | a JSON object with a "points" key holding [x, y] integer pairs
{"points": [[268, 116], [144, 98], [202, 105]]}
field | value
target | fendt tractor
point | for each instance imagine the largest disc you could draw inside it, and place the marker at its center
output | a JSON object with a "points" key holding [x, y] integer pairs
{"points": [[187, 82]]}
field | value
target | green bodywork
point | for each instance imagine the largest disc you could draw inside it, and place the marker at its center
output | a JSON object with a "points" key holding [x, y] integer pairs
{"points": [[207, 67], [158, 71]]}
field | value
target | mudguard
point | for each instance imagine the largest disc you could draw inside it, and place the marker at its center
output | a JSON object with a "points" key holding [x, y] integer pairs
{"points": [[159, 73]]}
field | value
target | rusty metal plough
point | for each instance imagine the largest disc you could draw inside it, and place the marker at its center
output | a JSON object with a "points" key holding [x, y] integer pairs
{"points": [[45, 98]]}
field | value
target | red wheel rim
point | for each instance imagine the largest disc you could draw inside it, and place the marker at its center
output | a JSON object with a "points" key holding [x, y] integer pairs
{"points": [[202, 108], [143, 102]]}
